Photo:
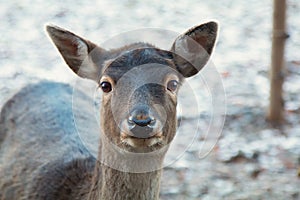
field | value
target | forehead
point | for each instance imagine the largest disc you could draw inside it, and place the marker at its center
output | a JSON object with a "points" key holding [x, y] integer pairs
{"points": [[141, 63]]}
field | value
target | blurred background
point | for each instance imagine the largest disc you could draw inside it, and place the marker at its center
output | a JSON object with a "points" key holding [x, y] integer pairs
{"points": [[253, 159]]}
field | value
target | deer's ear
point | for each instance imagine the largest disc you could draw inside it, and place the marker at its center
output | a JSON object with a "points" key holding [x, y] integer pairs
{"points": [[81, 55], [192, 50]]}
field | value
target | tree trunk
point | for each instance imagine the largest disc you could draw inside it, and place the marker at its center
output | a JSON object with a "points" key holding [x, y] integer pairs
{"points": [[279, 35]]}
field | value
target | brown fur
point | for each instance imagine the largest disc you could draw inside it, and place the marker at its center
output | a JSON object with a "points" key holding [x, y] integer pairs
{"points": [[43, 158]]}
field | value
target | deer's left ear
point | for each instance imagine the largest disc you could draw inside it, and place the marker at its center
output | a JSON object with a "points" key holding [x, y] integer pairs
{"points": [[192, 50]]}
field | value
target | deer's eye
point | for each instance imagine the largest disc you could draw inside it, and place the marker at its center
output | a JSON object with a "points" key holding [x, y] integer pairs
{"points": [[172, 85], [106, 86]]}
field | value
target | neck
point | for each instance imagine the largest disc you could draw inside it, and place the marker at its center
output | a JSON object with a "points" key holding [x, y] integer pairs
{"points": [[129, 186], [126, 176]]}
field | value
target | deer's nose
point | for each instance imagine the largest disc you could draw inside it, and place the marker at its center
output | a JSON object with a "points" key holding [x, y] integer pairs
{"points": [[140, 116], [141, 122]]}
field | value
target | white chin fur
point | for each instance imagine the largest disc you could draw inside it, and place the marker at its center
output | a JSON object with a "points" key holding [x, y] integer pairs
{"points": [[138, 143]]}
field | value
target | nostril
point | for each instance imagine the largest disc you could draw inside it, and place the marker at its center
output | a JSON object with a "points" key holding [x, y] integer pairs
{"points": [[152, 122], [130, 121]]}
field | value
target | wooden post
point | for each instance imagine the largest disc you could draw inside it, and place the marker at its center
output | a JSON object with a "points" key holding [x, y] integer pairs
{"points": [[279, 36]]}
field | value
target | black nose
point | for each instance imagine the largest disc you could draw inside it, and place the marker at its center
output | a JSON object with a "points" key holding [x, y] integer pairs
{"points": [[141, 117], [141, 122]]}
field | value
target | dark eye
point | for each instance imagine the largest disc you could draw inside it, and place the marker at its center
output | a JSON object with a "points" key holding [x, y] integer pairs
{"points": [[172, 85], [106, 86]]}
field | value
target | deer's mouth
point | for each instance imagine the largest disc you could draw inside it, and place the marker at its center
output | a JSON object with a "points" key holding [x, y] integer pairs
{"points": [[156, 139], [141, 132]]}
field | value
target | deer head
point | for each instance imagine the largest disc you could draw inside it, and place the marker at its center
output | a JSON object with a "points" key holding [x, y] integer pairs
{"points": [[140, 82]]}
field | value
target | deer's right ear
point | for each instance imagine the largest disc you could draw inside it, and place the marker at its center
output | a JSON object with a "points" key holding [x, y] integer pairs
{"points": [[81, 55]]}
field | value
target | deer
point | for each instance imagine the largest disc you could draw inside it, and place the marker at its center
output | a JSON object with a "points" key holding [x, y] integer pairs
{"points": [[41, 154]]}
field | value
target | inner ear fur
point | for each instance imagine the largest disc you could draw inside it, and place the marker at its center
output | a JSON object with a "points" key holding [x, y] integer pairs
{"points": [[81, 55]]}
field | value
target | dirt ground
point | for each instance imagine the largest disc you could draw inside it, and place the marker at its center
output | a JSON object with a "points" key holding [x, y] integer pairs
{"points": [[252, 159]]}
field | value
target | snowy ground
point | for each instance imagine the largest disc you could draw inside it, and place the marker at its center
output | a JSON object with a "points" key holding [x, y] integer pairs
{"points": [[252, 160]]}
